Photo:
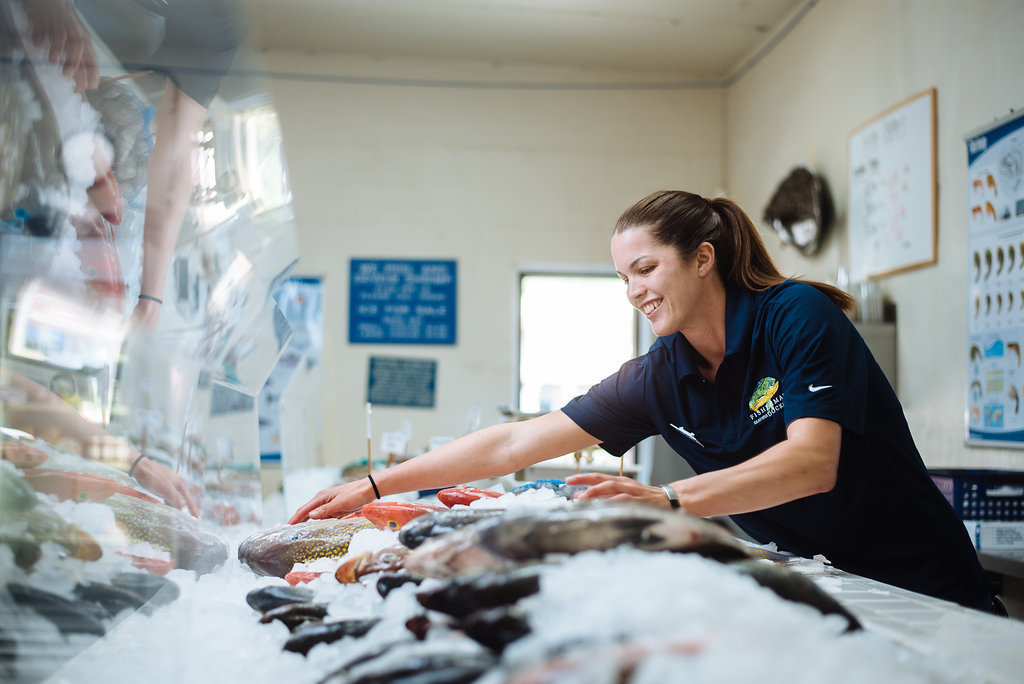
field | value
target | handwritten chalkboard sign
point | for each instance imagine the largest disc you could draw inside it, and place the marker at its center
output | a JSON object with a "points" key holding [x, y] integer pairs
{"points": [[409, 301], [401, 382], [892, 220]]}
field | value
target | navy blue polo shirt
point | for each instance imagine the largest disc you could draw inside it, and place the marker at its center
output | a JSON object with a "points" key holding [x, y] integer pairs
{"points": [[791, 353]]}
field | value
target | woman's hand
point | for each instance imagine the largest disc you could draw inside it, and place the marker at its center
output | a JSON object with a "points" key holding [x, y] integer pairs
{"points": [[161, 480], [333, 502], [617, 488]]}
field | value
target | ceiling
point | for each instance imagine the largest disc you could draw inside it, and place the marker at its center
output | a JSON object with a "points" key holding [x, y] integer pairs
{"points": [[699, 40]]}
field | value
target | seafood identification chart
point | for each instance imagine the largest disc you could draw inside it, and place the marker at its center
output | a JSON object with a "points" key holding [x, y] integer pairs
{"points": [[995, 283]]}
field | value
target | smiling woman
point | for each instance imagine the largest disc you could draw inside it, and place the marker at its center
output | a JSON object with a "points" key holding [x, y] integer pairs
{"points": [[766, 389]]}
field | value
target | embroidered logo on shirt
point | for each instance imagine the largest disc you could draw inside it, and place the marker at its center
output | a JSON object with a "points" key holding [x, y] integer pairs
{"points": [[765, 400], [763, 393], [687, 433], [817, 388]]}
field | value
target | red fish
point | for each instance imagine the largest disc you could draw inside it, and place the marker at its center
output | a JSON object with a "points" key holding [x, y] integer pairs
{"points": [[73, 486], [463, 495], [392, 515], [301, 576]]}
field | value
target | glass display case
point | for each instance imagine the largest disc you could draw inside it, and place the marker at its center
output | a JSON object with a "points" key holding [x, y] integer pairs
{"points": [[145, 225]]}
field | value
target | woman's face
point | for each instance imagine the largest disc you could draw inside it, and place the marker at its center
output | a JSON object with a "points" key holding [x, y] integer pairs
{"points": [[667, 290]]}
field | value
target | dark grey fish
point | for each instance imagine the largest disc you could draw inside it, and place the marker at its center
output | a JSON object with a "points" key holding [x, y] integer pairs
{"points": [[294, 614], [388, 582], [463, 595], [70, 617], [274, 596], [793, 586], [434, 524], [496, 627], [155, 590], [111, 599], [307, 636], [437, 668]]}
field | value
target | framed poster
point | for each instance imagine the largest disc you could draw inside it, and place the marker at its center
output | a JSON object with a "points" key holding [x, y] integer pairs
{"points": [[402, 301], [892, 218], [995, 283]]}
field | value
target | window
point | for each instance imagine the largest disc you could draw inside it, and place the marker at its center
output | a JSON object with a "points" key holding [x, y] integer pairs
{"points": [[575, 329]]}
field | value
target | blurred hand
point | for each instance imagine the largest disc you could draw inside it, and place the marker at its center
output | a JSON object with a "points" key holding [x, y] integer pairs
{"points": [[617, 488], [161, 480], [70, 41], [333, 502], [147, 314], [21, 454]]}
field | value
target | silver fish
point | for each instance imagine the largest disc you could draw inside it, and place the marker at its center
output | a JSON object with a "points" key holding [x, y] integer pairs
{"points": [[530, 535]]}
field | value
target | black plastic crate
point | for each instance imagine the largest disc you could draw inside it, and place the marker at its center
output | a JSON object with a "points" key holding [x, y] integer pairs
{"points": [[983, 494]]}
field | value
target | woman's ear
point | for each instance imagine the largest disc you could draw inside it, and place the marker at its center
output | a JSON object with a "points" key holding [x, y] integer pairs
{"points": [[705, 258]]}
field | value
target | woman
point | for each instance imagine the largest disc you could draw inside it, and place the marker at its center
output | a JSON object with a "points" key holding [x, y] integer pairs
{"points": [[763, 385]]}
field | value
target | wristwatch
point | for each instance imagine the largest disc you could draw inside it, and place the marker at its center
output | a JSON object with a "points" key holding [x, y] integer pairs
{"points": [[673, 498]]}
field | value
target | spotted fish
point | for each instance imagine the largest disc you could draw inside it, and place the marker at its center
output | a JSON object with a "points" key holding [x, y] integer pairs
{"points": [[167, 528], [275, 550]]}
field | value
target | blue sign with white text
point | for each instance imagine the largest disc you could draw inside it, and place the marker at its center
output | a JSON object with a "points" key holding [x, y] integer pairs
{"points": [[402, 301]]}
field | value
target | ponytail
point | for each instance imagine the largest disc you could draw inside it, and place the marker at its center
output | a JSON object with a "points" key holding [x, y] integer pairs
{"points": [[685, 220]]}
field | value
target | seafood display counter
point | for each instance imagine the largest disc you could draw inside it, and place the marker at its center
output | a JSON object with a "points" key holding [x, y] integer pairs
{"points": [[531, 587]]}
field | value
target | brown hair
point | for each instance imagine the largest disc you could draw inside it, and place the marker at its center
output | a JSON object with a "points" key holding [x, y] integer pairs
{"points": [[684, 220]]}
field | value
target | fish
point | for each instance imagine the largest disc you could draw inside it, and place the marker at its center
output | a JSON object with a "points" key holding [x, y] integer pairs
{"points": [[68, 485], [792, 586], [42, 524], [496, 627], [440, 522], [276, 550], [602, 525], [389, 581], [70, 617], [168, 529], [559, 487], [460, 596], [530, 535], [387, 559], [291, 615], [433, 661], [393, 515], [274, 596], [455, 496], [307, 636]]}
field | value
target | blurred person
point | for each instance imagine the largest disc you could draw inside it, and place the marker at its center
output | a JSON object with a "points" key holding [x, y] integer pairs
{"points": [[192, 43]]}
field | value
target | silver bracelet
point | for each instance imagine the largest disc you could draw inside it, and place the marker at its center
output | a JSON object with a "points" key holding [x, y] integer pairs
{"points": [[673, 497]]}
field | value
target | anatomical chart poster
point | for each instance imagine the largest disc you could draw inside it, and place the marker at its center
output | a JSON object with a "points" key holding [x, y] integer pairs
{"points": [[995, 283]]}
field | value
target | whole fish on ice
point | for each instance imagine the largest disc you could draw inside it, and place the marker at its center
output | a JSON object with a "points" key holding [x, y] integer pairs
{"points": [[529, 535], [275, 550]]}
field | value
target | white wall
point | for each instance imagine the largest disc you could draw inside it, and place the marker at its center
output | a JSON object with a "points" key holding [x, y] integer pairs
{"points": [[492, 176], [844, 63], [499, 176]]}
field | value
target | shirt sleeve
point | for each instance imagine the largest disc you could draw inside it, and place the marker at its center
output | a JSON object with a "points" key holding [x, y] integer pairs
{"points": [[823, 360], [614, 410]]}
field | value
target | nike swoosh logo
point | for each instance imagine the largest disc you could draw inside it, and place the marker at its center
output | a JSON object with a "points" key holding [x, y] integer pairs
{"points": [[817, 388], [688, 434]]}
